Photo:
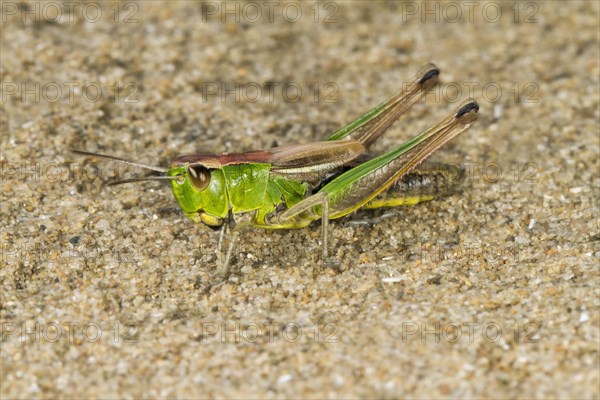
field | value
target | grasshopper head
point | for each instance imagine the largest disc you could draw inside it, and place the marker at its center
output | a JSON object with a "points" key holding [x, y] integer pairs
{"points": [[200, 191], [198, 186]]}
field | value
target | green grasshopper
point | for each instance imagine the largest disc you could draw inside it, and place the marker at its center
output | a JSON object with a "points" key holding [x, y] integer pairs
{"points": [[289, 187]]}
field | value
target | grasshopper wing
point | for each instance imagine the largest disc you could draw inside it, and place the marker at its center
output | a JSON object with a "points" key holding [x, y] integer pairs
{"points": [[312, 162]]}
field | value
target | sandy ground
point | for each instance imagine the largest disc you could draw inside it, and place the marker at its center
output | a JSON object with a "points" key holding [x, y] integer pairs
{"points": [[109, 292]]}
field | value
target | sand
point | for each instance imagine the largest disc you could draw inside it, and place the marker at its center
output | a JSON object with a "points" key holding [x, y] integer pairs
{"points": [[110, 292]]}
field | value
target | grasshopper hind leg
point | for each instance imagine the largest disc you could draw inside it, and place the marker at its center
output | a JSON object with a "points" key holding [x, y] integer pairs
{"points": [[365, 183], [430, 181]]}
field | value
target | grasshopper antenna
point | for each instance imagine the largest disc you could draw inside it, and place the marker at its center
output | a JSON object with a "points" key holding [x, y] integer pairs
{"points": [[134, 163], [146, 178]]}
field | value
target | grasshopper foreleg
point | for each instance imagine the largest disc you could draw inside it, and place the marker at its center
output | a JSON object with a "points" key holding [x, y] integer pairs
{"points": [[238, 224]]}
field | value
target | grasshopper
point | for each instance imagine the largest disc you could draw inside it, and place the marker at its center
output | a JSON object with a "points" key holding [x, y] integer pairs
{"points": [[288, 187]]}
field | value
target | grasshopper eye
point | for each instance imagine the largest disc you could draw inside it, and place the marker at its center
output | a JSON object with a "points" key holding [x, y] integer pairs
{"points": [[199, 176]]}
